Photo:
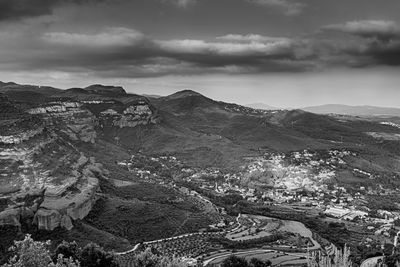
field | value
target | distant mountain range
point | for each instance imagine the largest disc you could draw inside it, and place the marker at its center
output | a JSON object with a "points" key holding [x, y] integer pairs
{"points": [[261, 106], [353, 110]]}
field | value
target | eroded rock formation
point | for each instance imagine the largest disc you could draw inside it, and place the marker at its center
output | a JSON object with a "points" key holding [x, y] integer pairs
{"points": [[133, 115], [44, 177], [69, 117]]}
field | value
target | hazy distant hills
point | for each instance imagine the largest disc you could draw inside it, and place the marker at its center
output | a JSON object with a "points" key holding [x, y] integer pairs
{"points": [[353, 110], [12, 87], [261, 106]]}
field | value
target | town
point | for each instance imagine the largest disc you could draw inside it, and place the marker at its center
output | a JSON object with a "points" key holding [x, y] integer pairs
{"points": [[301, 180]]}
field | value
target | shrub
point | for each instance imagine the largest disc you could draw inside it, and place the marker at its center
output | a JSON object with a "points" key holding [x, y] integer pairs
{"points": [[32, 253], [94, 256]]}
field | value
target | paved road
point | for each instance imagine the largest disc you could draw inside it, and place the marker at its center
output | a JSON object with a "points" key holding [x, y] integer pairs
{"points": [[158, 240], [172, 238], [371, 262]]}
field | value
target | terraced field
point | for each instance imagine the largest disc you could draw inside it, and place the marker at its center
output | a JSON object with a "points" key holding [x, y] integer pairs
{"points": [[255, 227], [277, 258]]}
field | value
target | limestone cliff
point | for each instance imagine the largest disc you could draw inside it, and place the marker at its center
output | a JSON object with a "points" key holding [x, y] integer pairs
{"points": [[72, 201], [53, 203], [20, 137], [45, 179], [133, 115], [70, 118]]}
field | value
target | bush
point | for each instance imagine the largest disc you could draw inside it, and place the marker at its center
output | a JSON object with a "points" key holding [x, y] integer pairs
{"points": [[94, 256], [32, 253], [68, 250], [149, 259], [235, 261]]}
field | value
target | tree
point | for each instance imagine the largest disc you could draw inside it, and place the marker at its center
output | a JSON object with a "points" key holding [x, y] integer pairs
{"points": [[338, 258], [145, 259], [149, 259], [68, 250], [94, 256], [254, 262], [65, 262], [30, 253], [234, 261], [392, 259]]}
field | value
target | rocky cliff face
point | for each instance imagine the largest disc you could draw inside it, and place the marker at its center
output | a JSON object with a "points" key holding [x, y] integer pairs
{"points": [[69, 202], [20, 137], [49, 199], [45, 179], [133, 115], [69, 117]]}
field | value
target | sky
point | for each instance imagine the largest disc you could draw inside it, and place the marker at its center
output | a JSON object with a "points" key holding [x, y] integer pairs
{"points": [[285, 53]]}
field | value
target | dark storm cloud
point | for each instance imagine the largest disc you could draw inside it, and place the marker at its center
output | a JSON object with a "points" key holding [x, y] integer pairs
{"points": [[127, 52], [377, 52], [17, 9], [380, 29], [379, 41]]}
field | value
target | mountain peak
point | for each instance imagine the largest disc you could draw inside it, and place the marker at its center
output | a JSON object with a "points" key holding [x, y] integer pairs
{"points": [[185, 93]]}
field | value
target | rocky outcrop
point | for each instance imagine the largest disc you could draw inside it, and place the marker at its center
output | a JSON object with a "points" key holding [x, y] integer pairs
{"points": [[60, 211], [71, 201], [66, 222], [44, 178], [20, 137], [132, 116], [70, 118], [10, 217], [30, 192], [47, 219], [14, 215]]}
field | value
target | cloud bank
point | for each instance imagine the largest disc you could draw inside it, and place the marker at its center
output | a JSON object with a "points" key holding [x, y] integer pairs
{"points": [[127, 52]]}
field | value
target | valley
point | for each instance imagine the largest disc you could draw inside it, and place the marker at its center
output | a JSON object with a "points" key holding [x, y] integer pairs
{"points": [[193, 177]]}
